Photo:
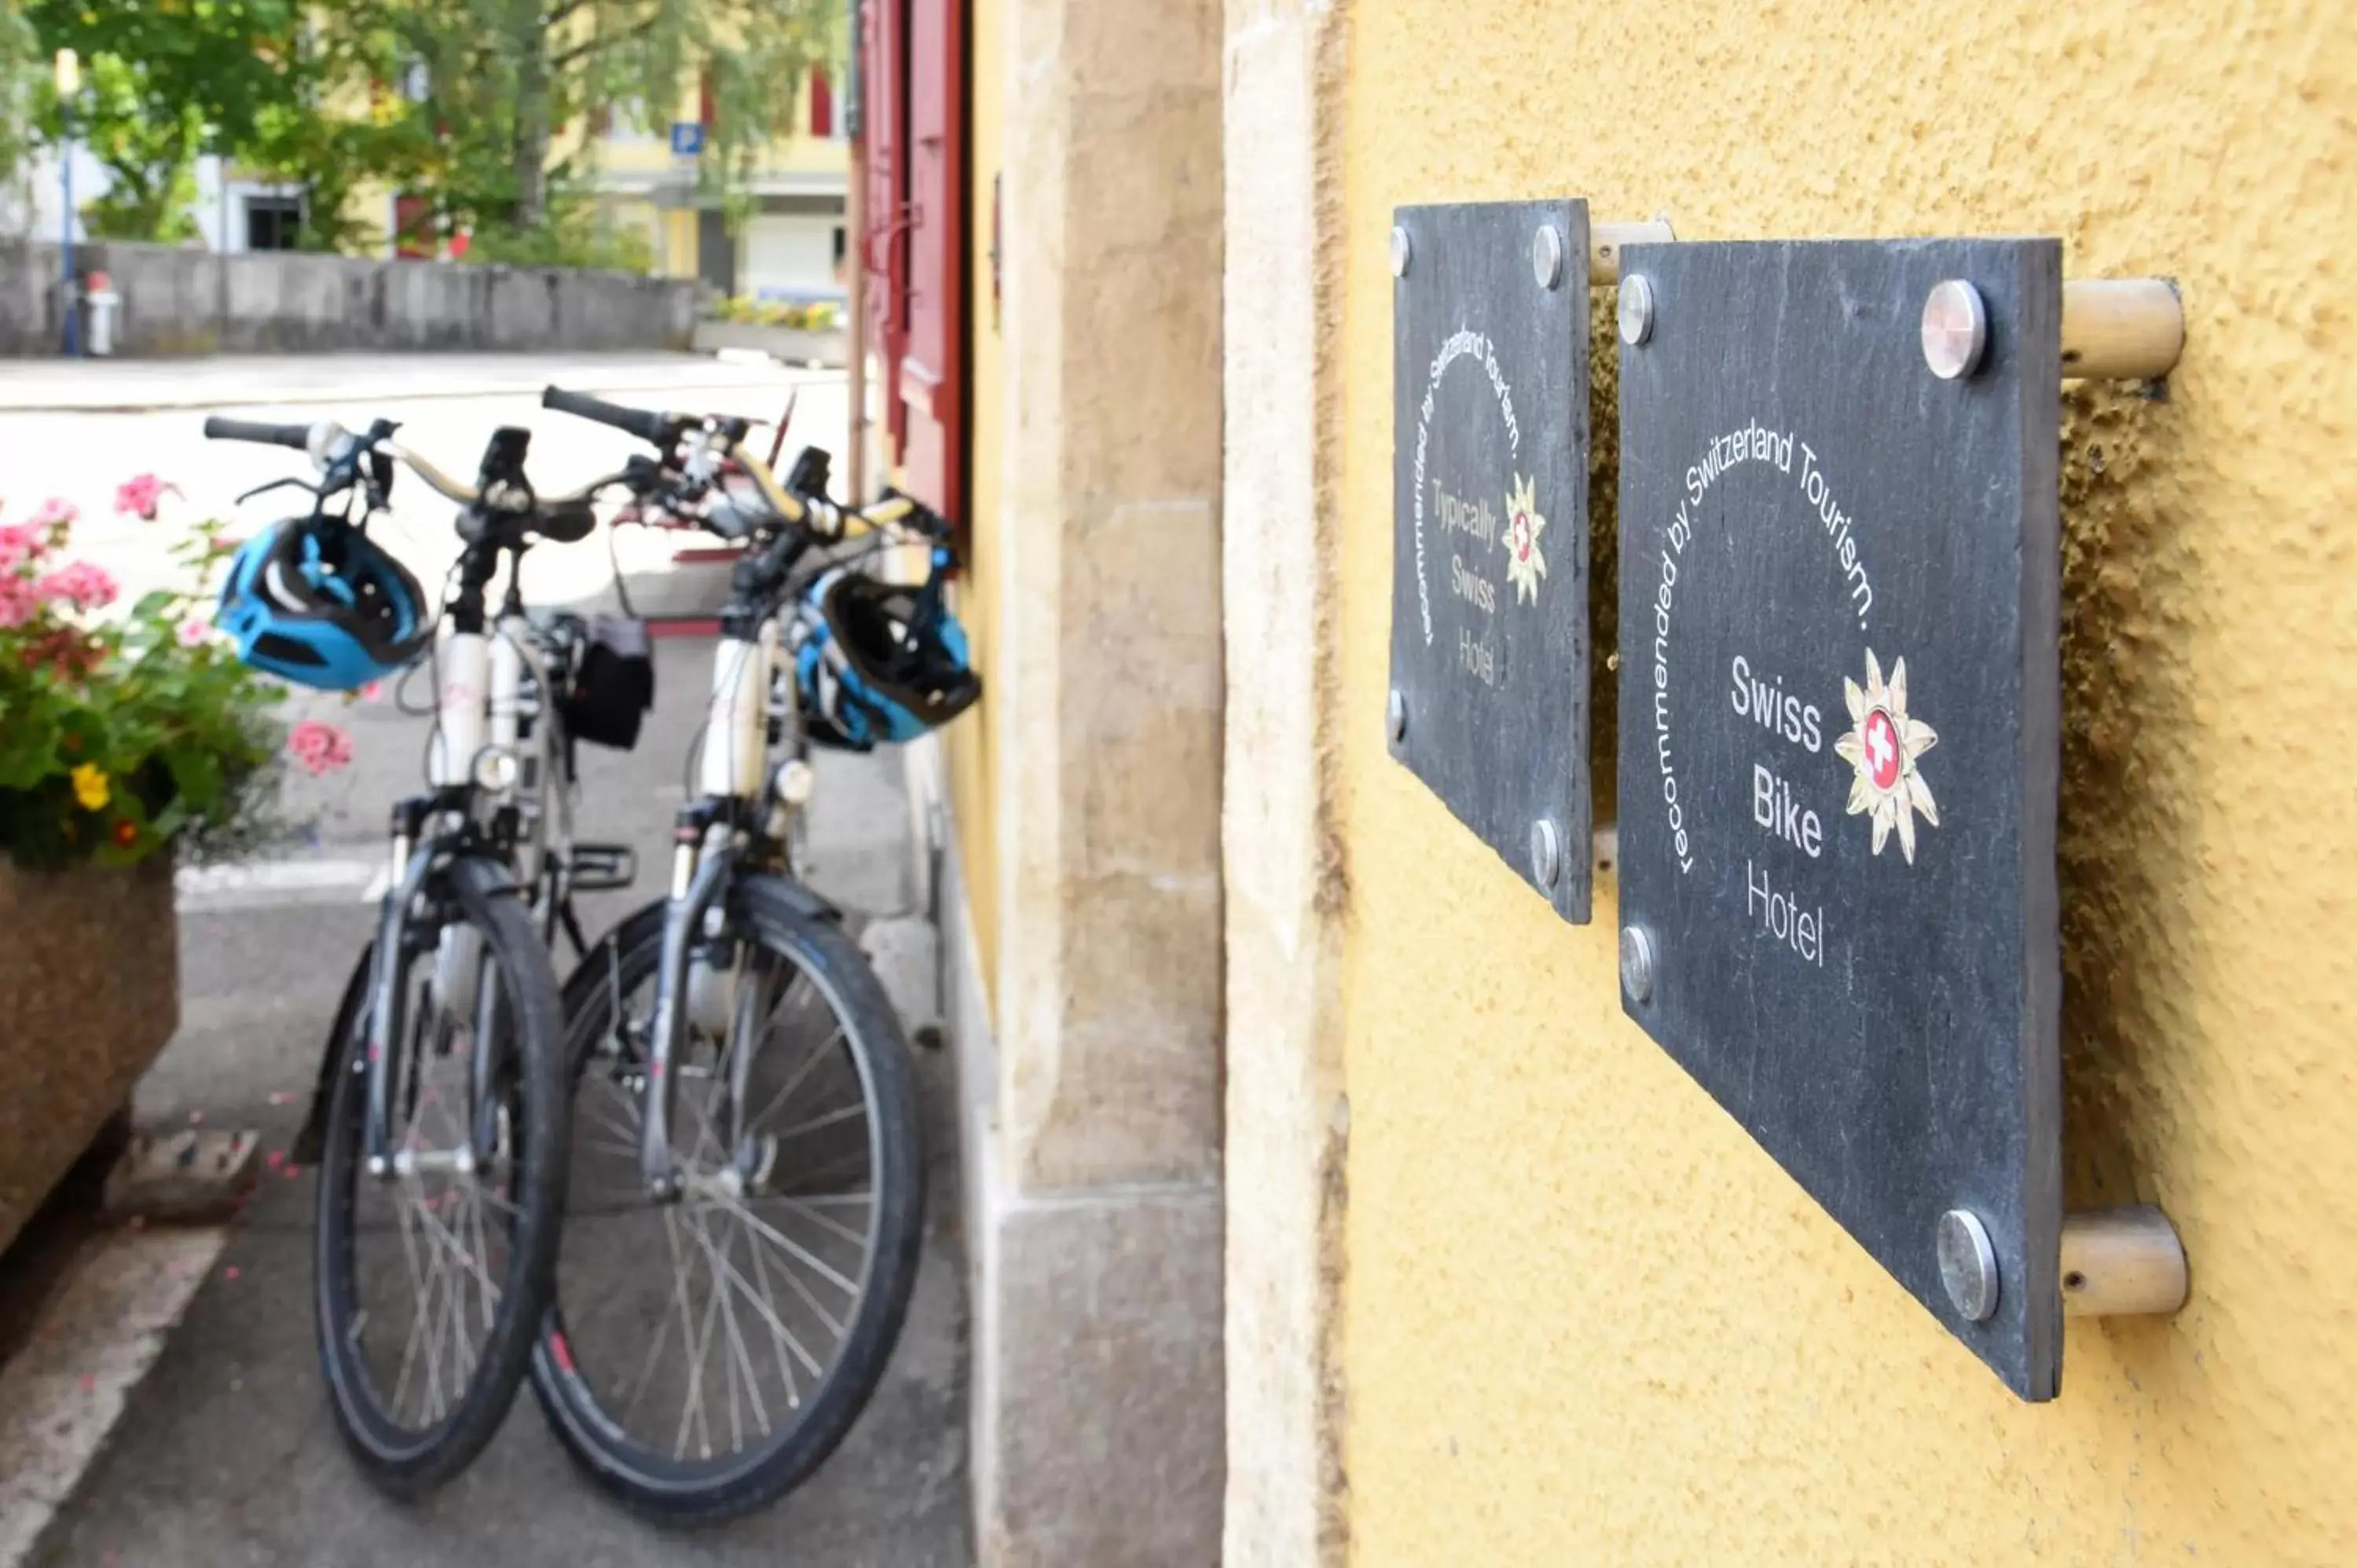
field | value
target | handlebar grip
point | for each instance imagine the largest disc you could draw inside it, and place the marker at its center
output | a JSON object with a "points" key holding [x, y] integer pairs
{"points": [[299, 436], [644, 424]]}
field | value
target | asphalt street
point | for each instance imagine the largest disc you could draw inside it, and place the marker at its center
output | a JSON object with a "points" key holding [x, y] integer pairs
{"points": [[226, 1453]]}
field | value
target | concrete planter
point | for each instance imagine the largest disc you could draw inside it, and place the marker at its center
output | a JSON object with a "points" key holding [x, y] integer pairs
{"points": [[90, 993], [790, 344]]}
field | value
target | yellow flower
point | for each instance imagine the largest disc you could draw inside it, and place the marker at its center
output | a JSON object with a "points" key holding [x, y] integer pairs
{"points": [[90, 787]]}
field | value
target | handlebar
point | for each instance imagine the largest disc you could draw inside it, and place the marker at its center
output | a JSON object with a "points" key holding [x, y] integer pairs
{"points": [[814, 512], [298, 437], [644, 424]]}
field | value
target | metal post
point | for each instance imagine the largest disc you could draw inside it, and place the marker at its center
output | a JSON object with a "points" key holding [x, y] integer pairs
{"points": [[2122, 328], [66, 226], [854, 255], [2122, 1262], [1605, 240]]}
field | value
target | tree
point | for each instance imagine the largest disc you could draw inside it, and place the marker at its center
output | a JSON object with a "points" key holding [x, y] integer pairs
{"points": [[19, 64], [503, 77], [165, 81]]}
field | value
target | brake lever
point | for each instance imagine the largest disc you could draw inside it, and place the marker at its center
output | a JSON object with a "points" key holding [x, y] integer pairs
{"points": [[290, 480]]}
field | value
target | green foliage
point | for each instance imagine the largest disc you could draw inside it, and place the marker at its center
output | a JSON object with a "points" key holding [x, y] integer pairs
{"points": [[165, 81], [819, 315], [120, 737], [505, 75], [19, 65], [570, 236]]}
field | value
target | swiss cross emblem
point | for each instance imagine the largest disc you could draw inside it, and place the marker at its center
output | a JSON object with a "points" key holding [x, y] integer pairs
{"points": [[1881, 748], [1888, 790]]}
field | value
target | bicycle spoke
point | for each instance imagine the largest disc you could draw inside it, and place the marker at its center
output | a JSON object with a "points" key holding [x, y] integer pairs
{"points": [[809, 1066], [762, 1228]]}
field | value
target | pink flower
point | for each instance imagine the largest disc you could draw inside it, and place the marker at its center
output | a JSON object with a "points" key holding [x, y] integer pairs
{"points": [[21, 545], [56, 512], [193, 631], [17, 602], [318, 748], [83, 585], [372, 692], [141, 495]]}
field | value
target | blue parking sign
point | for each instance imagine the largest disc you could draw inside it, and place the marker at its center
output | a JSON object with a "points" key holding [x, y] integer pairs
{"points": [[686, 138]]}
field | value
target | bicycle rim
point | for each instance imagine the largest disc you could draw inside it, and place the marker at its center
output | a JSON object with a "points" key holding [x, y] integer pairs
{"points": [[431, 1276], [709, 1352]]}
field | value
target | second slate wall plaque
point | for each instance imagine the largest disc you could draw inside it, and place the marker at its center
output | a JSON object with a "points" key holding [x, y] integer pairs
{"points": [[1489, 665], [1839, 741]]}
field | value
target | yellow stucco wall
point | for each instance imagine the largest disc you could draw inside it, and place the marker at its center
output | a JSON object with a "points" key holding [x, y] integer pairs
{"points": [[973, 769], [1587, 1320]]}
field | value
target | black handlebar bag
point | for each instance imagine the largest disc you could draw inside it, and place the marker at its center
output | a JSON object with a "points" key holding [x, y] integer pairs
{"points": [[613, 684]]}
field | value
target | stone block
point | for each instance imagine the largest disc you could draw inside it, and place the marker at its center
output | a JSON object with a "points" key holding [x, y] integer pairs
{"points": [[1099, 1436]]}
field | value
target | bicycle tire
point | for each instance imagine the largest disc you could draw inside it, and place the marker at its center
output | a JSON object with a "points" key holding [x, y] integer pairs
{"points": [[403, 1461], [671, 1490]]}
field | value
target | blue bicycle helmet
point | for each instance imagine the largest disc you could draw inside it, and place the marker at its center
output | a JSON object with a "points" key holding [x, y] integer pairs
{"points": [[312, 600], [880, 662]]}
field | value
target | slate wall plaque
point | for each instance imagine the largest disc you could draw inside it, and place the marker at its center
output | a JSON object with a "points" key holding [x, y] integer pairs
{"points": [[1488, 702], [1839, 743]]}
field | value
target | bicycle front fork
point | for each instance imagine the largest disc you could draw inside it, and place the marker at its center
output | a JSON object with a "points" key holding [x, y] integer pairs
{"points": [[702, 862]]}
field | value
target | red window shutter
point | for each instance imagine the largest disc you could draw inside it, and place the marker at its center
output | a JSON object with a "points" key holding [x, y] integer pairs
{"points": [[821, 102], [932, 370], [884, 243]]}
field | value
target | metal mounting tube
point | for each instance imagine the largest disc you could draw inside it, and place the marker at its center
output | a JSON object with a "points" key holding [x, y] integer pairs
{"points": [[2122, 1262], [2122, 328], [1606, 240]]}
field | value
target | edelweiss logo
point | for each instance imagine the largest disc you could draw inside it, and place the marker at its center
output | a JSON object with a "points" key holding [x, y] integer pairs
{"points": [[1525, 564], [1883, 748]]}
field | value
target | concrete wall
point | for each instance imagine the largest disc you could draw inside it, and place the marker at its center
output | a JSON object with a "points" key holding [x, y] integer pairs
{"points": [[1587, 1320], [194, 302]]}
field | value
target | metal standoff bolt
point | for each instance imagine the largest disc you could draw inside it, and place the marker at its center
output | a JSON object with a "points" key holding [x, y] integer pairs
{"points": [[1636, 309], [2121, 1263], [1546, 852], [2125, 328], [1637, 963], [1546, 257], [1967, 1265], [1400, 251], [1955, 329], [1395, 716], [1607, 241]]}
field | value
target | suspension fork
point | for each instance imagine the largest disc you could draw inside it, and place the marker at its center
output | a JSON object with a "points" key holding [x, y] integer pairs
{"points": [[413, 863], [702, 862]]}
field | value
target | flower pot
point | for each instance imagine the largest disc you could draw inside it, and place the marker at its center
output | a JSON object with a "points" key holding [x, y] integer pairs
{"points": [[90, 994]]}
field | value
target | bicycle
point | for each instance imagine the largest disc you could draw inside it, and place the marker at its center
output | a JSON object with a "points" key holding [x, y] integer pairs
{"points": [[745, 1095], [443, 1090]]}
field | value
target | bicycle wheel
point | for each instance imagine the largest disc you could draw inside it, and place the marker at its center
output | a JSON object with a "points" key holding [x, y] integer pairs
{"points": [[431, 1280], [705, 1355]]}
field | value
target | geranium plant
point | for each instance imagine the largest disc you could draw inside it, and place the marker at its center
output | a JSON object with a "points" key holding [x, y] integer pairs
{"points": [[121, 734]]}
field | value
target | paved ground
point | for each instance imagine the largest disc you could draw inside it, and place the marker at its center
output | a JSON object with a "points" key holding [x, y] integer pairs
{"points": [[226, 1453]]}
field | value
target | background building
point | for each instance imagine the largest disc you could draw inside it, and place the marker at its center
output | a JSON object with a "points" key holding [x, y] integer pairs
{"points": [[790, 242]]}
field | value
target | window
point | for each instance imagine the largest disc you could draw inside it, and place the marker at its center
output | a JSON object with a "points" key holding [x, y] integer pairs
{"points": [[272, 222]]}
